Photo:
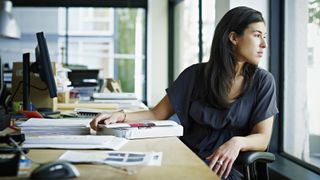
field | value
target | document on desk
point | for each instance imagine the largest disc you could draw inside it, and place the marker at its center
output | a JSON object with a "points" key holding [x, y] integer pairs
{"points": [[118, 158], [75, 142], [142, 129]]}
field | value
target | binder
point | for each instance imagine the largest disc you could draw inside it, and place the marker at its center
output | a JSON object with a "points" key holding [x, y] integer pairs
{"points": [[145, 129]]}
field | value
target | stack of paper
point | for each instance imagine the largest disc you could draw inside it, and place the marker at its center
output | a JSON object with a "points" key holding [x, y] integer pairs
{"points": [[42, 126], [74, 142], [143, 129]]}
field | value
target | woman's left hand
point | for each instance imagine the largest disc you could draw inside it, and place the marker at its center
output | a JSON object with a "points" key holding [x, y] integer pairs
{"points": [[222, 159]]}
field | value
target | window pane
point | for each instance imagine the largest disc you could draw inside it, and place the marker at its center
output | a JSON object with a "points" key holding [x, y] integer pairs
{"points": [[110, 39], [302, 71], [186, 43], [208, 18]]}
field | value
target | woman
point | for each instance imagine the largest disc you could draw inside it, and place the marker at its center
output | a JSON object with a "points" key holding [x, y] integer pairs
{"points": [[226, 105]]}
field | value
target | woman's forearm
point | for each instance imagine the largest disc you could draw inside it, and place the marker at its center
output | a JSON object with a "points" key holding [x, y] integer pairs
{"points": [[259, 138], [253, 142], [163, 110], [141, 115]]}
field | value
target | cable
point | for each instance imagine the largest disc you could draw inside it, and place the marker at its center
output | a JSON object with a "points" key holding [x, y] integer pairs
{"points": [[41, 89], [15, 92], [10, 98], [20, 82], [24, 154]]}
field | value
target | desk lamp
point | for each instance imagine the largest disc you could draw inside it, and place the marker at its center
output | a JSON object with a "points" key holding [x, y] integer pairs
{"points": [[8, 29], [8, 25]]}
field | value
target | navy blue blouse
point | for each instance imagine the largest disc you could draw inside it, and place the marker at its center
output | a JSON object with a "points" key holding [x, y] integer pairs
{"points": [[206, 127]]}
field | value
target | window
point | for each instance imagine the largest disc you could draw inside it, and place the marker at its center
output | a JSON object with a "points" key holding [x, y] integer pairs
{"points": [[301, 81], [186, 24], [110, 39]]}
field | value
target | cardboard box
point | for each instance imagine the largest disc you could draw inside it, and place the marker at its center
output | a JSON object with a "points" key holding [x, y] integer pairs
{"points": [[39, 98]]}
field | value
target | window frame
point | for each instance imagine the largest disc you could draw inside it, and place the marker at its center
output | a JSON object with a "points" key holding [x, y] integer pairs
{"points": [[277, 68]]}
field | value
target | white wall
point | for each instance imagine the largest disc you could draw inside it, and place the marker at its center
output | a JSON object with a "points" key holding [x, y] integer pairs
{"points": [[157, 49]]}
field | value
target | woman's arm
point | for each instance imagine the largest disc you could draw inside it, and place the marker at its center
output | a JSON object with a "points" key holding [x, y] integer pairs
{"points": [[163, 110], [259, 138], [222, 159]]}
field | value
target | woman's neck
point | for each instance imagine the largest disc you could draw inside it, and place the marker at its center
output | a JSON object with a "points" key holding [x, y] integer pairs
{"points": [[238, 69]]}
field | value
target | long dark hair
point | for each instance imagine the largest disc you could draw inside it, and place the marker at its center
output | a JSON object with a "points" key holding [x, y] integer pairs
{"points": [[220, 70]]}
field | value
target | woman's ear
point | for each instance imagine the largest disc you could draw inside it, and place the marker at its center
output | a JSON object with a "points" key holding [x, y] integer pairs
{"points": [[233, 38]]}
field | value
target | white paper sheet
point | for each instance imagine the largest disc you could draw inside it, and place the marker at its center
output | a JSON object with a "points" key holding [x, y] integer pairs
{"points": [[117, 158]]}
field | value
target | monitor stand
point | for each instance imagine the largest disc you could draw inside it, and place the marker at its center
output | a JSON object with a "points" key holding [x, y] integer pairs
{"points": [[26, 82]]}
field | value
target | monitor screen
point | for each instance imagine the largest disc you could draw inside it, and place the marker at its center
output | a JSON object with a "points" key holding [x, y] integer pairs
{"points": [[42, 66]]}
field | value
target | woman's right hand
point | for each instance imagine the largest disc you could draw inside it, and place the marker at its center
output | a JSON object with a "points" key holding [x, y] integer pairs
{"points": [[105, 118]]}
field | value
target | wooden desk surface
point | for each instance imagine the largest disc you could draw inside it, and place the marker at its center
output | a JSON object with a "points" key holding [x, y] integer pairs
{"points": [[178, 162]]}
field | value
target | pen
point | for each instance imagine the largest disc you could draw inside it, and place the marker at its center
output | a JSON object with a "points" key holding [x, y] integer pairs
{"points": [[14, 128], [142, 124]]}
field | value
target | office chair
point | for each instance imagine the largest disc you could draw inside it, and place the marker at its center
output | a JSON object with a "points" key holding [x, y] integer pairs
{"points": [[255, 164]]}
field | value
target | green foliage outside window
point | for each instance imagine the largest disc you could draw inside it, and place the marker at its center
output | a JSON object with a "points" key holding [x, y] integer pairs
{"points": [[125, 38], [314, 11]]}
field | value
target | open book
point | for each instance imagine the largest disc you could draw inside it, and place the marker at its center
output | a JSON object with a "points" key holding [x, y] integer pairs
{"points": [[142, 129]]}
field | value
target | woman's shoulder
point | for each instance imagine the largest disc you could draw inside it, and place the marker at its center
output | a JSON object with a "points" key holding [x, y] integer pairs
{"points": [[193, 69], [263, 79], [263, 75]]}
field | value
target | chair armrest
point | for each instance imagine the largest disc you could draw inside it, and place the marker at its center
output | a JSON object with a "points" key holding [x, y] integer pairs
{"points": [[249, 157]]}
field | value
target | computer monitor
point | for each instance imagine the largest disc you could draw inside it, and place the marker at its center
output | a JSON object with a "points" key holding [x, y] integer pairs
{"points": [[42, 66]]}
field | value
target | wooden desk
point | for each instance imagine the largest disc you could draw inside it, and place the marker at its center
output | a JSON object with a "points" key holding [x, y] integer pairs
{"points": [[178, 162]]}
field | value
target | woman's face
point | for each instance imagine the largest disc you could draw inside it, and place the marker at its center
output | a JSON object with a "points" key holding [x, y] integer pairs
{"points": [[250, 46]]}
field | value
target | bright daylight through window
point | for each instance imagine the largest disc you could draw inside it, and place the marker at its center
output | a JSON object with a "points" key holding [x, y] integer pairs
{"points": [[301, 81]]}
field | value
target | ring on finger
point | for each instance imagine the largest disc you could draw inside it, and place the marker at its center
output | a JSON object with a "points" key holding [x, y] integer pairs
{"points": [[220, 163]]}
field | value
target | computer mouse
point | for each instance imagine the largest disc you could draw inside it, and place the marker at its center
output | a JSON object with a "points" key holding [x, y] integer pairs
{"points": [[55, 170]]}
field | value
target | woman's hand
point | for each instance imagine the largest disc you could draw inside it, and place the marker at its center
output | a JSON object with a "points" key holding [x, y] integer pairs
{"points": [[222, 159], [107, 119]]}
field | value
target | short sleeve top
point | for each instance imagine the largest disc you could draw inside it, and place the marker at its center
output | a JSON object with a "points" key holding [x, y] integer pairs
{"points": [[206, 127]]}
